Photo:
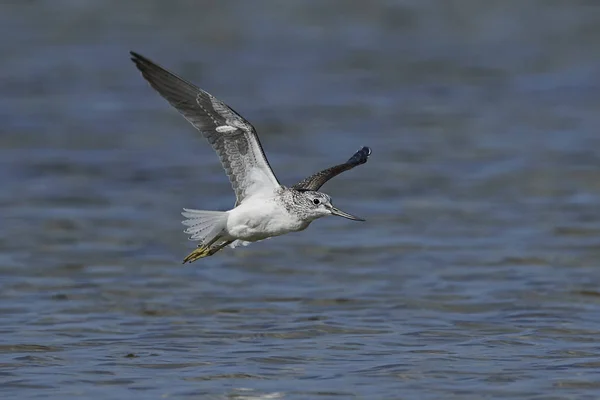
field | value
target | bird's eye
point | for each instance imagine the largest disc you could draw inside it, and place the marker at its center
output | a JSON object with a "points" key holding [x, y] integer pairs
{"points": [[316, 202]]}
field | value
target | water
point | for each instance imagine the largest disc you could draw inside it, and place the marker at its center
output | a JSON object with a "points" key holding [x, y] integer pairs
{"points": [[475, 276]]}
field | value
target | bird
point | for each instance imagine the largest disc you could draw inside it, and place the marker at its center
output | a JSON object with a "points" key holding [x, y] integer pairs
{"points": [[264, 208]]}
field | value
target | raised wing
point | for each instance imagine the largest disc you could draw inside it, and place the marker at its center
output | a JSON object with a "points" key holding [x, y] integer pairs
{"points": [[230, 135], [314, 182]]}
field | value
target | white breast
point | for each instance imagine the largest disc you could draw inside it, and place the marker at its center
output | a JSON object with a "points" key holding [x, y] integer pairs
{"points": [[260, 217]]}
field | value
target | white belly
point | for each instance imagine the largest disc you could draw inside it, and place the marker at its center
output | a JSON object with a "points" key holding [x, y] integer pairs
{"points": [[260, 218]]}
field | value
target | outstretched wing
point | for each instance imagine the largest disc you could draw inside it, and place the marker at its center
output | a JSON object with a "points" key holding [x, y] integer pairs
{"points": [[230, 135], [314, 182]]}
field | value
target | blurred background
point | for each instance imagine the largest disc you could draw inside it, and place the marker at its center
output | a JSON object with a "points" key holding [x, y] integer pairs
{"points": [[475, 276]]}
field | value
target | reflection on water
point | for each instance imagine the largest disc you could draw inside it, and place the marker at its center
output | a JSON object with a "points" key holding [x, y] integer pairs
{"points": [[474, 276]]}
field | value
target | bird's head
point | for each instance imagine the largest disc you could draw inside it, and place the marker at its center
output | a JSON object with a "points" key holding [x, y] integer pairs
{"points": [[317, 205]]}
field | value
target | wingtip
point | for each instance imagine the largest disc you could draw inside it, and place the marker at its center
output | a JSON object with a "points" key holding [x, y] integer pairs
{"points": [[361, 156], [139, 60], [136, 56]]}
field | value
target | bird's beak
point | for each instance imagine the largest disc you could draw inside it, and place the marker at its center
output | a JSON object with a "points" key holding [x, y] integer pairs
{"points": [[340, 213]]}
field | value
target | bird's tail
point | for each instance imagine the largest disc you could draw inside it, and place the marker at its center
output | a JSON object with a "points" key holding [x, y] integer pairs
{"points": [[206, 227]]}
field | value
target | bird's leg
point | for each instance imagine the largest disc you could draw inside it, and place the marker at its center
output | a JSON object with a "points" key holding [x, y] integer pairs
{"points": [[219, 247]]}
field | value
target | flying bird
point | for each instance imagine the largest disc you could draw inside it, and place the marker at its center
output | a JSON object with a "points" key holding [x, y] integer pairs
{"points": [[264, 208]]}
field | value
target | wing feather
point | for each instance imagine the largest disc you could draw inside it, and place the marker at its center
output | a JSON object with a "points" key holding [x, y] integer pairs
{"points": [[232, 137], [315, 181]]}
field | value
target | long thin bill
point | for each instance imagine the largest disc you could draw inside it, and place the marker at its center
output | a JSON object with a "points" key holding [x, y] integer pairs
{"points": [[340, 213]]}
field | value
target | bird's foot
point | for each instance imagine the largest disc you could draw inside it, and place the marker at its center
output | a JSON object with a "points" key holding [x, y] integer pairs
{"points": [[200, 252]]}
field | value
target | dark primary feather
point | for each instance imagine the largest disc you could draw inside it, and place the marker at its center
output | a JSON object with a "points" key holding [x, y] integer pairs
{"points": [[315, 181], [237, 144]]}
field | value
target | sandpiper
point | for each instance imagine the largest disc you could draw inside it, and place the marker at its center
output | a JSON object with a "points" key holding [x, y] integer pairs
{"points": [[264, 208]]}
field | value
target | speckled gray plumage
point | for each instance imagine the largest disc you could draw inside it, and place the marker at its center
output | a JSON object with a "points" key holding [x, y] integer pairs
{"points": [[291, 200], [299, 203]]}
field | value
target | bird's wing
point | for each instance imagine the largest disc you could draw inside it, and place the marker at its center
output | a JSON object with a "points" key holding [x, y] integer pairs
{"points": [[231, 136], [315, 181]]}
